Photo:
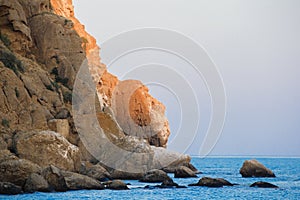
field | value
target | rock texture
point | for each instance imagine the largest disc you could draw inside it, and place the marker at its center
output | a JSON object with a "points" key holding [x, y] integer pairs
{"points": [[36, 182], [17, 171], [184, 172], [253, 168], [47, 147], [9, 188], [212, 182], [155, 176], [116, 185]]}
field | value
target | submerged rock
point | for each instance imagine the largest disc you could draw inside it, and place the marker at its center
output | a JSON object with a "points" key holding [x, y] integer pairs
{"points": [[212, 182], [253, 168], [262, 184], [184, 172], [9, 188]]}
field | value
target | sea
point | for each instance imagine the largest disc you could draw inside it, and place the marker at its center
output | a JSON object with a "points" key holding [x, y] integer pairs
{"points": [[287, 171]]}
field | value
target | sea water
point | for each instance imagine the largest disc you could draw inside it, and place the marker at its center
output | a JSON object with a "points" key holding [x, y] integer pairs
{"points": [[287, 171]]}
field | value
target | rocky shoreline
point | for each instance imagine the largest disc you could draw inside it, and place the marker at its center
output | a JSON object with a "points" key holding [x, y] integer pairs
{"points": [[19, 176]]}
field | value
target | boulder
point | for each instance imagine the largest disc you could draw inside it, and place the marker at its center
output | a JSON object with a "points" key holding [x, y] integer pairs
{"points": [[155, 176], [212, 182], [17, 171], [7, 155], [253, 168], [47, 148], [115, 185], [262, 184], [9, 188], [60, 126], [55, 179], [184, 172], [36, 182], [94, 171], [171, 168], [75, 181]]}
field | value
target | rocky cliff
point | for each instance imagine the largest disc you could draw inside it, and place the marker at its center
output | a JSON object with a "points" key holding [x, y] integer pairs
{"points": [[42, 46]]}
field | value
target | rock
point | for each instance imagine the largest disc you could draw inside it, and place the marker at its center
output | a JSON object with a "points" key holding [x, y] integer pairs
{"points": [[55, 179], [17, 171], [9, 188], [155, 176], [142, 115], [36, 182], [3, 145], [94, 171], [63, 114], [262, 184], [253, 168], [212, 182], [7, 155], [115, 185], [75, 181], [60, 126], [47, 148], [171, 168], [116, 174], [184, 172]]}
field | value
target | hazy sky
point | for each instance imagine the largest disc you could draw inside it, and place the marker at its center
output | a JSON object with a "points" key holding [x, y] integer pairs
{"points": [[256, 47]]}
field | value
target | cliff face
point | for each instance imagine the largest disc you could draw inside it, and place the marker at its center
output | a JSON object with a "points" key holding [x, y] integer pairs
{"points": [[42, 47]]}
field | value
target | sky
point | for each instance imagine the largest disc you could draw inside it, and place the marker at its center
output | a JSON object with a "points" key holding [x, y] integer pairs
{"points": [[255, 46]]}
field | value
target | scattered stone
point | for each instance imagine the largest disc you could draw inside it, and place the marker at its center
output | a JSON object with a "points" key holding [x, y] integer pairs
{"points": [[262, 184], [253, 168], [55, 179], [212, 182], [155, 176], [184, 172], [9, 188], [36, 182], [115, 185]]}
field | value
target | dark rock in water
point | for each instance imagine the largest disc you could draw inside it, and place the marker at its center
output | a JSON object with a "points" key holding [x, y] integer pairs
{"points": [[253, 168], [36, 182], [262, 184], [168, 183], [17, 171], [75, 181], [61, 180], [155, 176], [184, 172], [115, 185], [212, 182], [9, 188], [172, 168], [94, 171], [116, 174]]}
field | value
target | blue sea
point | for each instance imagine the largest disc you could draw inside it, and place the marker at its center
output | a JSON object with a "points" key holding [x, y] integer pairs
{"points": [[287, 171]]}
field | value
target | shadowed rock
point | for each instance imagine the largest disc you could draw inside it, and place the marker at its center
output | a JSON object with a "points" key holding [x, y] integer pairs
{"points": [[212, 182], [36, 182], [155, 176], [253, 168], [262, 184], [17, 171], [94, 171], [115, 185], [184, 172], [9, 188]]}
